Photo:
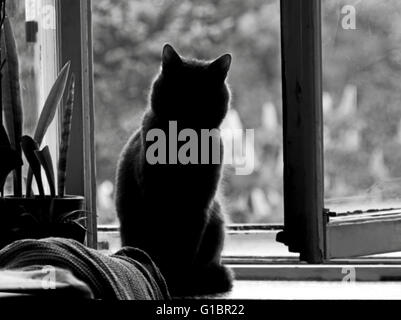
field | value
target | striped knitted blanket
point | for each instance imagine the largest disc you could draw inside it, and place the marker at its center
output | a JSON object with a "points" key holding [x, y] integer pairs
{"points": [[129, 274]]}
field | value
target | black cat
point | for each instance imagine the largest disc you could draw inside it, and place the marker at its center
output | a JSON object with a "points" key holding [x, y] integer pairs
{"points": [[170, 210]]}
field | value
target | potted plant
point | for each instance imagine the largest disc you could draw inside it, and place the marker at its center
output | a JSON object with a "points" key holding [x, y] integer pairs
{"points": [[27, 215]]}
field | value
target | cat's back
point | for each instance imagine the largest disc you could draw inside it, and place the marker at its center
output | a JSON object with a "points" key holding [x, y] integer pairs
{"points": [[128, 175]]}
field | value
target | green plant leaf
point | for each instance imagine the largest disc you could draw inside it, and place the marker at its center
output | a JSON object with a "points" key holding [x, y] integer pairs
{"points": [[65, 137], [29, 146], [48, 113], [45, 160], [11, 94]]}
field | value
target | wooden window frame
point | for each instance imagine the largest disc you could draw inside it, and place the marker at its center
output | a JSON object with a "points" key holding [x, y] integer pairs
{"points": [[307, 230], [316, 233], [302, 129], [71, 40], [75, 39]]}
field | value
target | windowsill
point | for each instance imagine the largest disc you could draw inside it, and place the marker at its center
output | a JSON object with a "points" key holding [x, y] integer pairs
{"points": [[239, 242], [311, 290], [266, 270], [314, 290], [300, 290]]}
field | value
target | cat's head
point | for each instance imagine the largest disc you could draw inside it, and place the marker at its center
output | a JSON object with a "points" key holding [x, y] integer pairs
{"points": [[191, 91]]}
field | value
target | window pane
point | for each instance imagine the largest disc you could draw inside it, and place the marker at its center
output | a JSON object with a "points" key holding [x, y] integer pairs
{"points": [[28, 73], [362, 114], [128, 38]]}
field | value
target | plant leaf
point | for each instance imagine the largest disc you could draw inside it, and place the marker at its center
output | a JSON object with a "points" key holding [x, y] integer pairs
{"points": [[72, 216], [45, 160], [4, 142], [29, 146], [9, 159], [11, 94], [48, 113], [51, 104], [65, 138]]}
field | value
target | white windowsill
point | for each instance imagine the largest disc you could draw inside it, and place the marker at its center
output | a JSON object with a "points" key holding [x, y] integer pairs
{"points": [[314, 290]]}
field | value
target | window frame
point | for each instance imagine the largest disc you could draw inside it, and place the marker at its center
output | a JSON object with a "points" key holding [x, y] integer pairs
{"points": [[75, 43], [307, 228], [289, 267], [303, 129], [70, 40], [316, 233]]}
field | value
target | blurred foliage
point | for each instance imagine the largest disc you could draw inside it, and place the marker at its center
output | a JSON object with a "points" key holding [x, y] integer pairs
{"points": [[16, 13], [128, 37], [362, 128], [361, 83]]}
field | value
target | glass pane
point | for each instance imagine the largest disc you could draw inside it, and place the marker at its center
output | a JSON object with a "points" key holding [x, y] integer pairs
{"points": [[362, 114], [128, 38], [28, 73]]}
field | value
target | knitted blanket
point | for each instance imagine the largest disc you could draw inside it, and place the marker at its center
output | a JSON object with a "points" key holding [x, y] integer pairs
{"points": [[129, 274]]}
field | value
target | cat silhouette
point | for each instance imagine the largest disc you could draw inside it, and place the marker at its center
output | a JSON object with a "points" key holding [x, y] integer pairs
{"points": [[172, 210]]}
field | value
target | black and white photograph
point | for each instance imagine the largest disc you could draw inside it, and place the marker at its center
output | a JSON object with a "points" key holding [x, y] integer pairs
{"points": [[205, 156]]}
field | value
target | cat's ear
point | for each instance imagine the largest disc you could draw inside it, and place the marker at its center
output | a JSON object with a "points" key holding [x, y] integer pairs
{"points": [[170, 57], [221, 66]]}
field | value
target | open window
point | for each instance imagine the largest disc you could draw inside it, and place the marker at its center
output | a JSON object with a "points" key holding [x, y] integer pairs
{"points": [[356, 88], [364, 217], [315, 97], [128, 38]]}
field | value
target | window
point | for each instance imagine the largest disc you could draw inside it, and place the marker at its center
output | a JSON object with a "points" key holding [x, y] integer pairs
{"points": [[49, 33], [38, 61], [302, 118], [128, 37], [361, 104], [75, 39], [315, 233], [363, 116], [357, 160]]}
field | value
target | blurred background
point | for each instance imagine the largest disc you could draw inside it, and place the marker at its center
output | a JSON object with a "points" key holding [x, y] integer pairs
{"points": [[362, 104], [29, 74], [128, 39]]}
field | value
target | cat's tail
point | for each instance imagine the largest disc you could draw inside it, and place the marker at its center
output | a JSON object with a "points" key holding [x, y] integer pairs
{"points": [[208, 280]]}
